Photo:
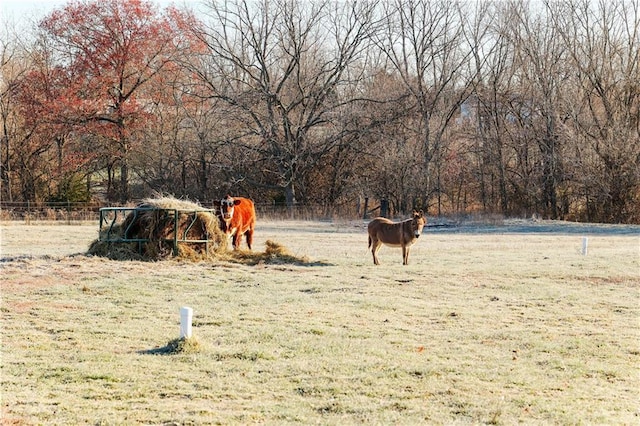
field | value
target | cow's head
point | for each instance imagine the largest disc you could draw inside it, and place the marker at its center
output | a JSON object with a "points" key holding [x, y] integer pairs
{"points": [[227, 205]]}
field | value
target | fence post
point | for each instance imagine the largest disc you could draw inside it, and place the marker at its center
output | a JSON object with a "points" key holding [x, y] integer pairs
{"points": [[186, 318], [175, 232]]}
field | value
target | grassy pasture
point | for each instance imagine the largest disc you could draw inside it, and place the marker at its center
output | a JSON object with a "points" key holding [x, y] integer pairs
{"points": [[496, 328]]}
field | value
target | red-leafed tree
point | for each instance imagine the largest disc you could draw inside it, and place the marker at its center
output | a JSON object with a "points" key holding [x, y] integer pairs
{"points": [[109, 52]]}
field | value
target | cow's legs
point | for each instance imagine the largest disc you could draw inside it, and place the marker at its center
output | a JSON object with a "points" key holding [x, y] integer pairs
{"points": [[249, 235], [237, 238]]}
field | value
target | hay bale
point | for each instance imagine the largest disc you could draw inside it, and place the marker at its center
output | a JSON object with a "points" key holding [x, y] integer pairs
{"points": [[154, 222]]}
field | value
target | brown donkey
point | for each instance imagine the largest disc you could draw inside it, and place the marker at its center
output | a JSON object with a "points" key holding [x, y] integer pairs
{"points": [[403, 234]]}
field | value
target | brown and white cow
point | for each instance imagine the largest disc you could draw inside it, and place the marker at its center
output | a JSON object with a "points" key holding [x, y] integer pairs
{"points": [[237, 218], [402, 234]]}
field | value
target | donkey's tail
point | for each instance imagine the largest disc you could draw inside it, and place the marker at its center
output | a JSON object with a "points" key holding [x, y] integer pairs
{"points": [[369, 241]]}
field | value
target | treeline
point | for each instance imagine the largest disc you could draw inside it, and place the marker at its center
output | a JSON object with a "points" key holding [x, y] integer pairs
{"points": [[511, 107]]}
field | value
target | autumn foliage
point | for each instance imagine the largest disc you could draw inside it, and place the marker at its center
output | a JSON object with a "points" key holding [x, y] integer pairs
{"points": [[102, 58]]}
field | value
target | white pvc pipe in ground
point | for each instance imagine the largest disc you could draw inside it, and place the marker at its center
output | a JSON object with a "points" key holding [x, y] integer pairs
{"points": [[186, 317], [585, 245]]}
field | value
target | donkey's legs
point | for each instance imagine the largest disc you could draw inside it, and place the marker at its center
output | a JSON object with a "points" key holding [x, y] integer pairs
{"points": [[375, 246], [405, 255]]}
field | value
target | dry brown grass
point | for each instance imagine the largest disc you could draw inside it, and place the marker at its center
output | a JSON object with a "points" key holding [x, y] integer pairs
{"points": [[497, 329]]}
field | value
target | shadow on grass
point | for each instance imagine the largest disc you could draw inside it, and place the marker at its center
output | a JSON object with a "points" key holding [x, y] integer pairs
{"points": [[274, 254], [175, 347]]}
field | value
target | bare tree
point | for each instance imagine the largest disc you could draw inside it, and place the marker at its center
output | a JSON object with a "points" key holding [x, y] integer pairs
{"points": [[486, 116], [391, 163], [183, 138], [280, 66], [8, 61], [540, 58], [14, 63], [425, 43], [603, 40]]}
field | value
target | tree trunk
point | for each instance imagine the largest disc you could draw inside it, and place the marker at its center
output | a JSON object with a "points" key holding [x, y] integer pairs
{"points": [[124, 167], [6, 169], [549, 186], [290, 198], [203, 175], [124, 182]]}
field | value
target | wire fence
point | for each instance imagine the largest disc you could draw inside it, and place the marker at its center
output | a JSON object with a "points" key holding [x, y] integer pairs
{"points": [[53, 211], [70, 212]]}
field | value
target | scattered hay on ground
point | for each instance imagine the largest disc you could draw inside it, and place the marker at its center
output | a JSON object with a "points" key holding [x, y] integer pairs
{"points": [[275, 253], [152, 227]]}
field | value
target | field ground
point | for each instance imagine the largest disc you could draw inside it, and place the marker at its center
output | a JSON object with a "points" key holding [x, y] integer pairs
{"points": [[484, 326]]}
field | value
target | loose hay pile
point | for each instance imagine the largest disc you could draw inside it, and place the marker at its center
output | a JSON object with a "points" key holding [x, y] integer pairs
{"points": [[275, 253], [152, 227]]}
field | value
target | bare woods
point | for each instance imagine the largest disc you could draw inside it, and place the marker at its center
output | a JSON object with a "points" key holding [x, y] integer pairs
{"points": [[507, 107]]}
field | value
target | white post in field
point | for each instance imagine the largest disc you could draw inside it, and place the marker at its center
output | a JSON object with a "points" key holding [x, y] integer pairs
{"points": [[585, 245], [186, 317]]}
